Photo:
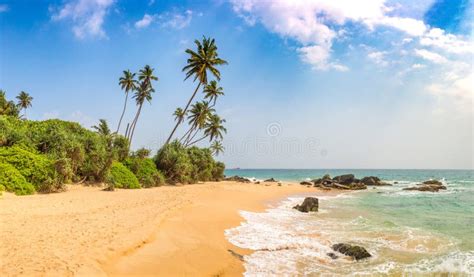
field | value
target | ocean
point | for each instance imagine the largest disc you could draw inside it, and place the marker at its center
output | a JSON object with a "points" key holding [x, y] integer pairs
{"points": [[407, 233]]}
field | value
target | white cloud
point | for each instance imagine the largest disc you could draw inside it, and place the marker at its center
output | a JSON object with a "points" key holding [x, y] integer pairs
{"points": [[176, 20], [448, 42], [4, 8], [318, 23], [378, 57], [430, 56], [144, 22], [455, 89], [87, 16], [418, 66]]}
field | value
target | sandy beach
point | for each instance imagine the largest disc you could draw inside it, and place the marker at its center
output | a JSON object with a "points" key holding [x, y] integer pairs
{"points": [[170, 230]]}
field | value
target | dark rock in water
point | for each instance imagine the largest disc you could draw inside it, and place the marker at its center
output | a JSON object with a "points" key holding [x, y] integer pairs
{"points": [[317, 181], [271, 180], [305, 183], [373, 181], [326, 177], [357, 186], [430, 188], [344, 179], [238, 179], [339, 186], [310, 204], [357, 252], [332, 255], [258, 182], [433, 182], [395, 182]]}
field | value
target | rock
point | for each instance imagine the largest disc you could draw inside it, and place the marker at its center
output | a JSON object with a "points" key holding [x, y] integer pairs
{"points": [[433, 182], [430, 188], [344, 179], [395, 182], [339, 186], [279, 184], [238, 179], [332, 255], [317, 181], [271, 180], [357, 186], [357, 252], [306, 183], [258, 182], [310, 204], [373, 181]]}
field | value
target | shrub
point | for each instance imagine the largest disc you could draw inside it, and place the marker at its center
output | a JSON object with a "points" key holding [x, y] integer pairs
{"points": [[37, 169], [121, 177], [188, 165], [173, 160], [11, 180], [145, 171]]}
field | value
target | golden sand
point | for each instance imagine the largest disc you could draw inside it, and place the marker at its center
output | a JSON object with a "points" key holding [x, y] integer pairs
{"points": [[167, 231]]}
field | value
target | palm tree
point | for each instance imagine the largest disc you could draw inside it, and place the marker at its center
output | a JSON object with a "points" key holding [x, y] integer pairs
{"points": [[128, 83], [103, 128], [212, 91], [144, 91], [213, 129], [178, 114], [198, 116], [199, 63], [216, 148], [24, 101]]}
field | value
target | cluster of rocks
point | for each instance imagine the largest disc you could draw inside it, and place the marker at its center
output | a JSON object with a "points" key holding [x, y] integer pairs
{"points": [[346, 182], [354, 251], [430, 185], [237, 179]]}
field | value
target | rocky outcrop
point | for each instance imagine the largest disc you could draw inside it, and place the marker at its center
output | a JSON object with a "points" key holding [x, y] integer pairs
{"points": [[345, 179], [348, 182], [272, 180], [310, 204], [238, 179], [357, 252], [430, 186], [305, 183], [332, 255], [373, 181]]}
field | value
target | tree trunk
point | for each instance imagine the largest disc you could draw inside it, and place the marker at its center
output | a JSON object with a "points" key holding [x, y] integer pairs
{"points": [[135, 123], [198, 140], [123, 112], [184, 112]]}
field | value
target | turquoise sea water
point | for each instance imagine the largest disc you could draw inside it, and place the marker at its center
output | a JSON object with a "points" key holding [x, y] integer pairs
{"points": [[409, 232]]}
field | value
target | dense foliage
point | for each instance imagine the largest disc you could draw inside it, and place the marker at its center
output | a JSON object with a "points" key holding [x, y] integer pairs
{"points": [[11, 180], [121, 177], [145, 170], [187, 165]]}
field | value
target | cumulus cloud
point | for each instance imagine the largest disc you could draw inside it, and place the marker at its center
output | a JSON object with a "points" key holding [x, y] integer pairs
{"points": [[439, 39], [430, 56], [87, 16], [315, 24], [144, 22]]}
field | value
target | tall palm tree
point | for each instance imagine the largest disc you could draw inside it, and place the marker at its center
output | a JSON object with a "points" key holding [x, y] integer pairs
{"points": [[213, 129], [178, 114], [198, 116], [199, 62], [212, 91], [216, 148], [24, 101], [128, 83]]}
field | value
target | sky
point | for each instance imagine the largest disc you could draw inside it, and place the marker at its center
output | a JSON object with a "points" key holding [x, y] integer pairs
{"points": [[309, 84]]}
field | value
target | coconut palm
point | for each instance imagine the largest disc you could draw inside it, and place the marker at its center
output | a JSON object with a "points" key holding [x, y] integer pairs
{"points": [[213, 129], [178, 114], [143, 92], [24, 101], [128, 83], [216, 148], [199, 62], [7, 107], [102, 128], [212, 91], [198, 115]]}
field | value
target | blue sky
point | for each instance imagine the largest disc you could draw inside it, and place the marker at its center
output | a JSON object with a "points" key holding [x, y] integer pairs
{"points": [[310, 83]]}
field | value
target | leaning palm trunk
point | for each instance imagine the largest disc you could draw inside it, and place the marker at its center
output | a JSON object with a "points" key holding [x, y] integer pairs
{"points": [[134, 124], [196, 141], [184, 112], [123, 112], [186, 135]]}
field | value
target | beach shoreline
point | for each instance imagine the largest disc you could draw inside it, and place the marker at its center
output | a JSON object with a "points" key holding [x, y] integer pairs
{"points": [[170, 230]]}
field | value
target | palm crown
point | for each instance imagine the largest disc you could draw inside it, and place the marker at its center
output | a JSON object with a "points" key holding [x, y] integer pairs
{"points": [[212, 91]]}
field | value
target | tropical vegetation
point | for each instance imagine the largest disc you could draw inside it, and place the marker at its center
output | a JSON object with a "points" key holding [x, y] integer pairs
{"points": [[42, 156]]}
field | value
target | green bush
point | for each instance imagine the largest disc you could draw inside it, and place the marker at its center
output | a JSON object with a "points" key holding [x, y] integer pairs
{"points": [[11, 180], [173, 160], [37, 169], [187, 165], [145, 171], [121, 177]]}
